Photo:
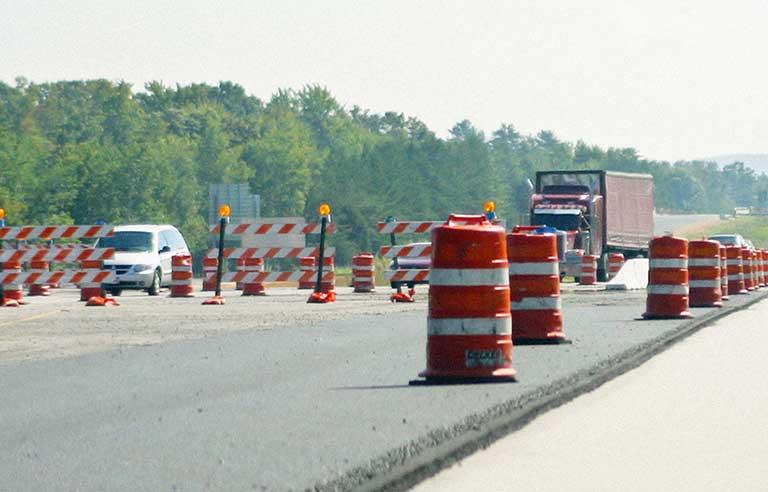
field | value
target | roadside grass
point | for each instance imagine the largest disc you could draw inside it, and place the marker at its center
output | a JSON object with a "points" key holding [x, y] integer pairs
{"points": [[754, 228]]}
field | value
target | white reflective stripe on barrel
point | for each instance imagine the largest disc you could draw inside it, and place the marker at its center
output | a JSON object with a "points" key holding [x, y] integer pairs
{"points": [[469, 326], [668, 289], [696, 262], [668, 263], [363, 268], [537, 303], [363, 279], [549, 268], [469, 276], [736, 278], [702, 284], [733, 262]]}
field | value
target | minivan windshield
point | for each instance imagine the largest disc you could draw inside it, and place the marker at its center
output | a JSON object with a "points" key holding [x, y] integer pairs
{"points": [[127, 241]]}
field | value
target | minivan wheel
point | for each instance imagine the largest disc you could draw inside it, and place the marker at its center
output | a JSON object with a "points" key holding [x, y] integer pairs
{"points": [[154, 288]]}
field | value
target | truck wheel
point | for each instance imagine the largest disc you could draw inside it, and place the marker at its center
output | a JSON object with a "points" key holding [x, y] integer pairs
{"points": [[602, 267]]}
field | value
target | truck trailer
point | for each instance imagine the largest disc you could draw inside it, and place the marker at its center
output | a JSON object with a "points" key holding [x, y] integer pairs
{"points": [[601, 212]]}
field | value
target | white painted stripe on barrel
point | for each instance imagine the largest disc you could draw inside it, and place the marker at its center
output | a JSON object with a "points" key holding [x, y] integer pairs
{"points": [[549, 268], [469, 276], [537, 303], [469, 326], [703, 284], [668, 289], [668, 263], [696, 262]]}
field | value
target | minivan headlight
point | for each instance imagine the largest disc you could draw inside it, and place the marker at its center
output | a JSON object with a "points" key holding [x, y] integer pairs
{"points": [[141, 268]]}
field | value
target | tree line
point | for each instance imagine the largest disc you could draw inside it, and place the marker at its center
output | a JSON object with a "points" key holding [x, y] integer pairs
{"points": [[76, 152]]}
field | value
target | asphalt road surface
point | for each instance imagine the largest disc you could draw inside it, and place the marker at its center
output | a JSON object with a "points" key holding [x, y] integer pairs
{"points": [[695, 418], [296, 405]]}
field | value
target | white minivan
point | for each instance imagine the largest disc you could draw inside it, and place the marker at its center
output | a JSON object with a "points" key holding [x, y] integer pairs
{"points": [[142, 257]]}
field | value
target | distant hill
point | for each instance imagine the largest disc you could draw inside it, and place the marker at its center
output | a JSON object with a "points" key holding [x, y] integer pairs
{"points": [[758, 162]]}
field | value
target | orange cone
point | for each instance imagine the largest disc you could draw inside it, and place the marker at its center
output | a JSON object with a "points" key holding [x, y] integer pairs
{"points": [[469, 323]]}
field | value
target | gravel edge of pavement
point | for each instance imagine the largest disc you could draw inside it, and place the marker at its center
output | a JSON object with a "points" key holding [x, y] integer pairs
{"points": [[405, 466]]}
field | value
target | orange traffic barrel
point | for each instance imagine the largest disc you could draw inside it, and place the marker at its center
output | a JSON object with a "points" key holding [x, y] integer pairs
{"points": [[253, 287], [469, 325], [181, 276], [755, 269], [763, 266], [723, 272], [534, 287], [90, 289], [307, 264], [210, 268], [615, 262], [736, 283], [667, 279], [588, 275], [328, 283], [12, 291], [746, 266], [240, 267], [363, 272], [39, 289], [704, 274]]}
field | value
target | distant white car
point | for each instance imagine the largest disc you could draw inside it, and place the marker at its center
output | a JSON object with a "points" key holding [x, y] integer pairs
{"points": [[142, 257], [729, 239]]}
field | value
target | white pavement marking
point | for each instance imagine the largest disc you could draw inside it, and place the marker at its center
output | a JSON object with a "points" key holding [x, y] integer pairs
{"points": [[694, 418]]}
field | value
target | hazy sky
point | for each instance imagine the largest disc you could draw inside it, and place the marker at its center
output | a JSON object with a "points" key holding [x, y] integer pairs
{"points": [[674, 79]]}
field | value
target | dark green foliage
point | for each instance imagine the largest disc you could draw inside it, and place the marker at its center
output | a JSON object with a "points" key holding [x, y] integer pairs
{"points": [[82, 151]]}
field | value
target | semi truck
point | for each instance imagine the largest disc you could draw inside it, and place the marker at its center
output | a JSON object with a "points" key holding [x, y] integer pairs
{"points": [[599, 212]]}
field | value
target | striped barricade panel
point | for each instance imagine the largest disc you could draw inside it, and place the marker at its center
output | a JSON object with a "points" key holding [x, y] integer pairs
{"points": [[22, 233], [60, 277], [243, 253], [258, 228], [261, 277], [56, 255], [411, 275], [407, 227], [420, 251]]}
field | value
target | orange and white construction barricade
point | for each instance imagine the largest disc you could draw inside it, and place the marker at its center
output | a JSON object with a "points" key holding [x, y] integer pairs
{"points": [[746, 266], [615, 262], [704, 274], [469, 325], [260, 277], [723, 272], [253, 265], [667, 296], [420, 253], [307, 264], [11, 283], [181, 276], [534, 286], [363, 272], [38, 258], [736, 284], [588, 275]]}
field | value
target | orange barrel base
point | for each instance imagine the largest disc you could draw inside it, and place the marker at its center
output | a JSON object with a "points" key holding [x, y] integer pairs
{"points": [[181, 276], [522, 321], [306, 264], [588, 270], [210, 267], [470, 357], [534, 286], [469, 324], [667, 279], [253, 265]]}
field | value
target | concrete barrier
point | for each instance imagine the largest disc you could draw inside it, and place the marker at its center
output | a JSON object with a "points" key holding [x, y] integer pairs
{"points": [[633, 275]]}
